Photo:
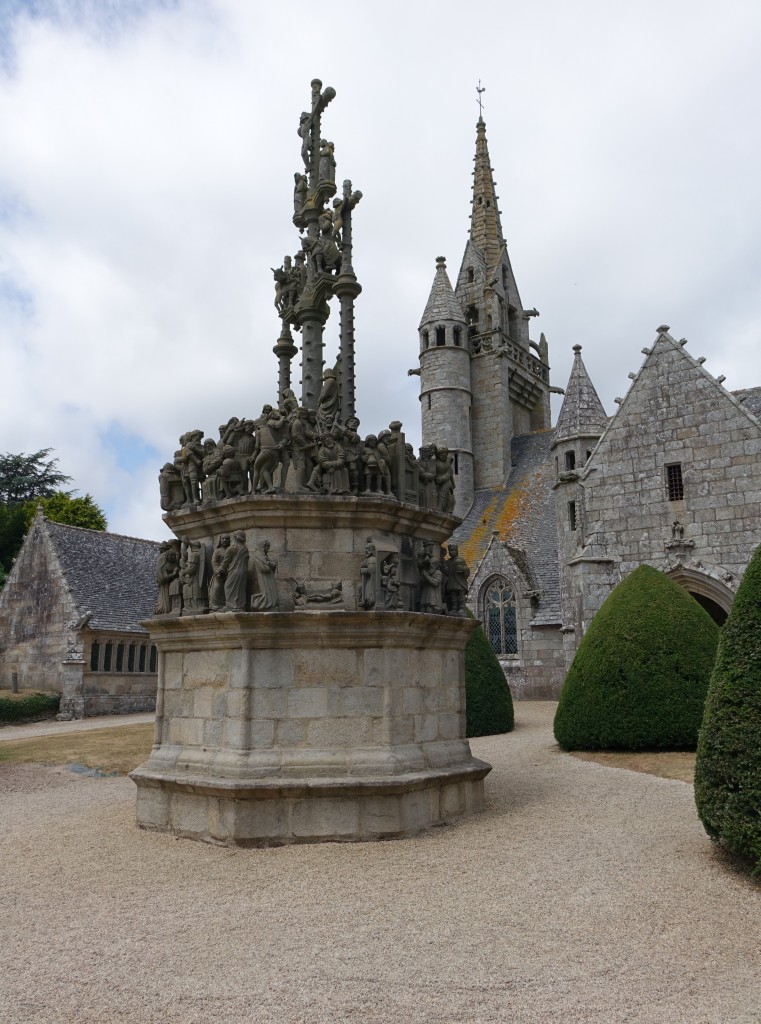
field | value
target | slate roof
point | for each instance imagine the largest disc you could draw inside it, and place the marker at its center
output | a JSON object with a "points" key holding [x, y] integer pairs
{"points": [[442, 302], [751, 399], [581, 414], [112, 576], [523, 515]]}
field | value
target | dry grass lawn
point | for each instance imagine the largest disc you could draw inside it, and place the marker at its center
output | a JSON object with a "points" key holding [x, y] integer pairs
{"points": [[108, 750], [10, 695], [668, 764]]}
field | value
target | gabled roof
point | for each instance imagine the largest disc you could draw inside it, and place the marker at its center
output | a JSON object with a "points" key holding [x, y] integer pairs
{"points": [[442, 303], [581, 414], [668, 359], [750, 399], [522, 514], [112, 576]]}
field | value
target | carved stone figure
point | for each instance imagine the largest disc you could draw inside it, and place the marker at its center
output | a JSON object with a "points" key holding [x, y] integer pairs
{"points": [[167, 570], [231, 479], [171, 488], [333, 471], [212, 460], [289, 404], [329, 595], [328, 402], [390, 582], [270, 441], [305, 132], [351, 443], [218, 573], [300, 187], [427, 478], [195, 599], [302, 445], [677, 530], [188, 461], [367, 572], [286, 285], [457, 581], [267, 599], [444, 480], [376, 472], [235, 567], [431, 578], [327, 170]]}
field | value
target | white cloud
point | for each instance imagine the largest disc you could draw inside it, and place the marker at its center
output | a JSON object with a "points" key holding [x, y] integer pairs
{"points": [[145, 193]]}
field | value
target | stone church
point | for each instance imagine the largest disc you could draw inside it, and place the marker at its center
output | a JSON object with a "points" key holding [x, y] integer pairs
{"points": [[555, 517]]}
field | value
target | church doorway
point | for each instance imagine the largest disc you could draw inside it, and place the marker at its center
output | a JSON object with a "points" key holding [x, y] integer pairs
{"points": [[710, 594]]}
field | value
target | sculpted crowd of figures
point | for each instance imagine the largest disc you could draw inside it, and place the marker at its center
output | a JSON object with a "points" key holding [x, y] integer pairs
{"points": [[197, 577], [323, 455]]}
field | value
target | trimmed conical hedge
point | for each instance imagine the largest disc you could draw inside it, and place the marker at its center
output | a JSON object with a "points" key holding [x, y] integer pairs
{"points": [[488, 702], [728, 765], [640, 675]]}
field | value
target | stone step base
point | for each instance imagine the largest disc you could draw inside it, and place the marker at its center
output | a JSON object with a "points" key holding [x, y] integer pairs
{"points": [[281, 812]]}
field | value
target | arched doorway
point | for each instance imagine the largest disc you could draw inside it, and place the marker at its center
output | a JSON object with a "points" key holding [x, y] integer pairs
{"points": [[712, 595]]}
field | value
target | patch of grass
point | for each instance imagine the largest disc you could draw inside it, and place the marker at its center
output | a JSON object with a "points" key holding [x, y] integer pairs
{"points": [[21, 695], [119, 749], [669, 764]]}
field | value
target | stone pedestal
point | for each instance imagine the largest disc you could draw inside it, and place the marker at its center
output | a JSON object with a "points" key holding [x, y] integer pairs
{"points": [[316, 723]]}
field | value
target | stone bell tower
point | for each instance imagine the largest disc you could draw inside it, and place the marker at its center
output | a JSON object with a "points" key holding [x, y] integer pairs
{"points": [[505, 389]]}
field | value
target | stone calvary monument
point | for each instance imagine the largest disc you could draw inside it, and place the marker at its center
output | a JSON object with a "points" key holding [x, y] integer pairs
{"points": [[310, 636]]}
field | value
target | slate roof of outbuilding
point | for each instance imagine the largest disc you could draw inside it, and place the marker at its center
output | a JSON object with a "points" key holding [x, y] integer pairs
{"points": [[581, 414], [523, 516], [112, 576]]}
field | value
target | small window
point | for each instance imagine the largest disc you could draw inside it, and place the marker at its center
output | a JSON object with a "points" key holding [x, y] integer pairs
{"points": [[557, 465], [107, 653], [589, 454], [504, 277], [674, 482], [570, 460], [119, 657], [472, 315], [456, 334], [440, 336], [94, 656], [471, 275], [426, 339], [131, 658], [572, 514], [456, 463], [429, 401], [141, 667], [154, 659]]}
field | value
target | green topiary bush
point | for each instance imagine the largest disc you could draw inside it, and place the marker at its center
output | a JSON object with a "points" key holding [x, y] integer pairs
{"points": [[728, 765], [488, 702], [640, 675], [36, 705]]}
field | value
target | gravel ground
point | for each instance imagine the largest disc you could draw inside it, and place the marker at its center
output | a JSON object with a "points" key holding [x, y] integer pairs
{"points": [[583, 893], [52, 727]]}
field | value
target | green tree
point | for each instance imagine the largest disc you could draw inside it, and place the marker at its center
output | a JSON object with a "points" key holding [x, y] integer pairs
{"points": [[23, 477], [728, 765], [640, 676], [62, 508], [488, 703]]}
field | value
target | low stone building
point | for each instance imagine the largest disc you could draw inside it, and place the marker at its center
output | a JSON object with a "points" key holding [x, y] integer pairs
{"points": [[555, 517], [69, 619]]}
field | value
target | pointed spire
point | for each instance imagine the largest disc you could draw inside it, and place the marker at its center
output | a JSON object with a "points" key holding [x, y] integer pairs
{"points": [[485, 225], [442, 302], [581, 414]]}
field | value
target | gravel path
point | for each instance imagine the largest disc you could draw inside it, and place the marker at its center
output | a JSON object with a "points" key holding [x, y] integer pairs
{"points": [[51, 728], [583, 893]]}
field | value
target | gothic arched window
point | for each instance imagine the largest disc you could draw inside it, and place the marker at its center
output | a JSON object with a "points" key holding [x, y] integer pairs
{"points": [[500, 620]]}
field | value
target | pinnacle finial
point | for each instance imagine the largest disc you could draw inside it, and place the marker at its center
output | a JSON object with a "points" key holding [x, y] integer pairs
{"points": [[577, 349], [441, 262]]}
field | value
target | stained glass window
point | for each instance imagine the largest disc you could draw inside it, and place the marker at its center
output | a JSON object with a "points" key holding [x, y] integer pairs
{"points": [[500, 620]]}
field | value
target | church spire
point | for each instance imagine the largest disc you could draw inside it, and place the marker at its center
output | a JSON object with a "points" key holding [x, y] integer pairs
{"points": [[485, 225]]}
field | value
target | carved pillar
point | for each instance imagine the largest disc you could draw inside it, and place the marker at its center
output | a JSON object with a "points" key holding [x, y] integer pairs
{"points": [[285, 350], [347, 288]]}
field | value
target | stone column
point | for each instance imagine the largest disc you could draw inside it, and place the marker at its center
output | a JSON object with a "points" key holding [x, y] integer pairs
{"points": [[347, 288], [285, 350]]}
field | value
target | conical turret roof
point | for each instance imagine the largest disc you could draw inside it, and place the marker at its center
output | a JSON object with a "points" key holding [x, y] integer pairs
{"points": [[581, 414], [442, 302], [485, 224]]}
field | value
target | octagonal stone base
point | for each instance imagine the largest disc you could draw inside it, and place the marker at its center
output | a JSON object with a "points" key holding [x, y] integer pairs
{"points": [[277, 728]]}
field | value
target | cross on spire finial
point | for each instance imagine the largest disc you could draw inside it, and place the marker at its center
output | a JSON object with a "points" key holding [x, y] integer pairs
{"points": [[479, 90]]}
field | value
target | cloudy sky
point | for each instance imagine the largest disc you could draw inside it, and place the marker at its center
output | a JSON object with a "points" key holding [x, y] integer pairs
{"points": [[146, 175]]}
